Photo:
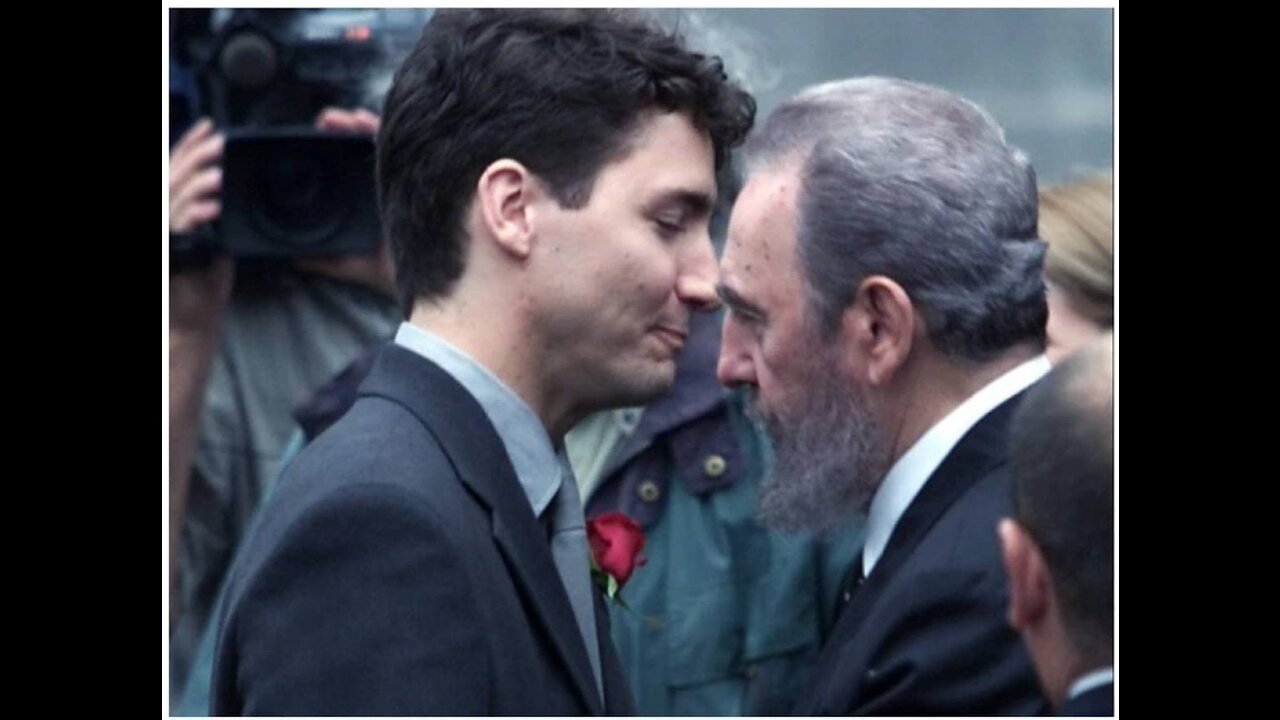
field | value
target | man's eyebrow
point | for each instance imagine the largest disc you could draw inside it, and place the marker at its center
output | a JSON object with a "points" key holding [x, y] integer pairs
{"points": [[691, 202], [736, 302]]}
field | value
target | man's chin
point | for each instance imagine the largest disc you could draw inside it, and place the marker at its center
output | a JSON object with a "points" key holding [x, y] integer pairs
{"points": [[757, 413], [642, 385], [775, 427], [826, 466]]}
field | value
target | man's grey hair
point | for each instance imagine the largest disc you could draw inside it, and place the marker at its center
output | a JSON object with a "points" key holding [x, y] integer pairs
{"points": [[917, 184]]}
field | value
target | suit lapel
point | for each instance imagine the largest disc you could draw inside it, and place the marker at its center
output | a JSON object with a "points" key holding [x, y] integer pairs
{"points": [[461, 427], [980, 451], [617, 692]]}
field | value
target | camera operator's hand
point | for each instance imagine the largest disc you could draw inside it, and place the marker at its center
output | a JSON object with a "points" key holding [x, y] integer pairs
{"points": [[195, 178], [375, 270], [358, 120], [197, 299]]}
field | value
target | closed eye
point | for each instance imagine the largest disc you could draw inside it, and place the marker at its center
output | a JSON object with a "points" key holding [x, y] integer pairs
{"points": [[753, 324], [673, 212], [667, 229], [740, 308]]}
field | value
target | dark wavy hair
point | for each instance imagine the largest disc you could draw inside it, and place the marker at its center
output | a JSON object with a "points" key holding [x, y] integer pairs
{"points": [[560, 91]]}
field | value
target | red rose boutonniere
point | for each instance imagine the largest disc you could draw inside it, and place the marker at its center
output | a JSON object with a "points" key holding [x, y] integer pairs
{"points": [[616, 541]]}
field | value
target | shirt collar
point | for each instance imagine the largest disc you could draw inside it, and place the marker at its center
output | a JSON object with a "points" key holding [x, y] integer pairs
{"points": [[1091, 680], [523, 435], [909, 473]]}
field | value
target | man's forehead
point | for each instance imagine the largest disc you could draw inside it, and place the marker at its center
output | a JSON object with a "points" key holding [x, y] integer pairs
{"points": [[759, 267], [762, 225], [669, 159]]}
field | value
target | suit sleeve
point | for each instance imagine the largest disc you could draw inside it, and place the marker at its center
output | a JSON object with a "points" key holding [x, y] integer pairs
{"points": [[951, 651], [364, 608]]}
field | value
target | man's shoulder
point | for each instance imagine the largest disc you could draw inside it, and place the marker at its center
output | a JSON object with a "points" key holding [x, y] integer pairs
{"points": [[1096, 702], [974, 489], [375, 462], [965, 532], [378, 444]]}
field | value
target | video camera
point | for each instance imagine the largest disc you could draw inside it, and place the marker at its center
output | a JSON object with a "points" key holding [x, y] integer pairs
{"points": [[288, 190]]}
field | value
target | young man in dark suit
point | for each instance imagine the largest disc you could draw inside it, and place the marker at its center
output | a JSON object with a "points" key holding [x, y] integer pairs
{"points": [[546, 180], [1059, 544], [887, 310]]}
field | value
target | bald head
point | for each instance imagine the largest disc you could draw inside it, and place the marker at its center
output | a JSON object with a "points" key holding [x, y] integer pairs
{"points": [[1062, 455]]}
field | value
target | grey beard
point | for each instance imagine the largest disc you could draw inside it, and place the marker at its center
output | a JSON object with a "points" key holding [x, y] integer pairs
{"points": [[829, 459]]}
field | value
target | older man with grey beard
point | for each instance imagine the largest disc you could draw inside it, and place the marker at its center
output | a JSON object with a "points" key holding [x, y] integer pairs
{"points": [[887, 309]]}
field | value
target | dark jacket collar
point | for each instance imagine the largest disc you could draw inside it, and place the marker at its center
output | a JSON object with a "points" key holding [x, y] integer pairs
{"points": [[459, 425], [980, 451]]}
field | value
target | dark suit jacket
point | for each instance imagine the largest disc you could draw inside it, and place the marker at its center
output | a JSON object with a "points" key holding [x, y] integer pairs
{"points": [[1097, 702], [399, 570], [927, 634]]}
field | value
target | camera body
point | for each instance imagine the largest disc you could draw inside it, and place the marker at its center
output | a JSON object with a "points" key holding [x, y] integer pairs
{"points": [[263, 75]]}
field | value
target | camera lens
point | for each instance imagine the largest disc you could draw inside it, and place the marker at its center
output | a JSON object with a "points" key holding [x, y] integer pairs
{"points": [[298, 203], [298, 192]]}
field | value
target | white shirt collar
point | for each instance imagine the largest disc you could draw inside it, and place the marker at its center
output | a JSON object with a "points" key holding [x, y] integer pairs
{"points": [[537, 465], [908, 475], [1091, 680]]}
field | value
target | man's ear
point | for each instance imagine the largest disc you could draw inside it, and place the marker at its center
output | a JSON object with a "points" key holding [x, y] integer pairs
{"points": [[881, 324], [504, 194], [1029, 583]]}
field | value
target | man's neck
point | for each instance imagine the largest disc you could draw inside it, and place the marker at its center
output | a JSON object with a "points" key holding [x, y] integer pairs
{"points": [[502, 345], [934, 386]]}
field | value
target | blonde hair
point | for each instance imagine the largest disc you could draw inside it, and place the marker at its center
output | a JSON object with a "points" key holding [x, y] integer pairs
{"points": [[1076, 221]]}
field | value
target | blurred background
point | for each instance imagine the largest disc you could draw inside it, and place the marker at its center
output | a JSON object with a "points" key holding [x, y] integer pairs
{"points": [[1046, 74]]}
